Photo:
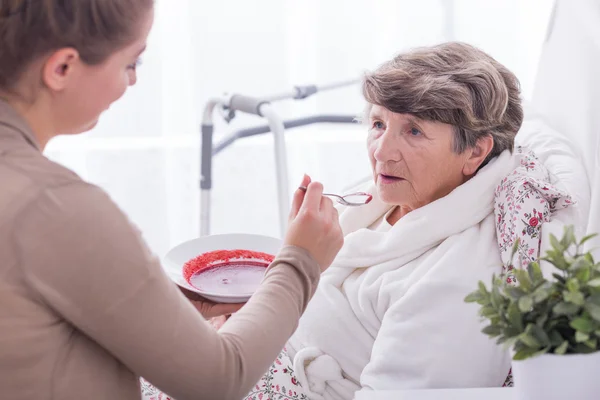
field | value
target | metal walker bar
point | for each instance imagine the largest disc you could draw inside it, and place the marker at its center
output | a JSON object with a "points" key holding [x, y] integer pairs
{"points": [[261, 107]]}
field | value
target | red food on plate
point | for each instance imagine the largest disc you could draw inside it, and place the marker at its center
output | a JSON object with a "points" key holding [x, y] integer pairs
{"points": [[227, 271]]}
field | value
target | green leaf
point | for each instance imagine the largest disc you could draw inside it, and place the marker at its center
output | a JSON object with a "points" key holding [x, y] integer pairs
{"points": [[586, 238], [525, 304], [591, 343], [508, 342], [568, 238], [555, 338], [523, 278], [582, 324], [581, 337], [572, 285], [482, 288], [559, 278], [515, 248], [593, 309], [594, 290], [541, 294], [562, 349], [584, 274], [594, 282], [529, 340], [582, 349], [541, 320], [560, 262], [574, 297], [550, 255], [528, 353], [488, 312], [555, 243], [474, 297], [595, 299], [511, 331], [492, 330], [523, 354], [590, 258], [564, 308], [535, 272], [514, 292], [553, 252], [540, 335], [579, 263], [514, 317], [496, 297]]}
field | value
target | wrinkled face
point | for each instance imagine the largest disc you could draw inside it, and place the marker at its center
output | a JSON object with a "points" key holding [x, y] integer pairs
{"points": [[91, 89], [413, 161]]}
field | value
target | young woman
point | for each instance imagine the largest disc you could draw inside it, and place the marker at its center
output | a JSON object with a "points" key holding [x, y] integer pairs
{"points": [[85, 309]]}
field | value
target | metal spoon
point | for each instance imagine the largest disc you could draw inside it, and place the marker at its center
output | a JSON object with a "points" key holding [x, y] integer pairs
{"points": [[352, 199]]}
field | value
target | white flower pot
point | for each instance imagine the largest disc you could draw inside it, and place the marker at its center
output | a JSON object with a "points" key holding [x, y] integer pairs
{"points": [[550, 376]]}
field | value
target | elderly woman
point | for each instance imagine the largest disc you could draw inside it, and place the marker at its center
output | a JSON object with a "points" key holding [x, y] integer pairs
{"points": [[389, 313]]}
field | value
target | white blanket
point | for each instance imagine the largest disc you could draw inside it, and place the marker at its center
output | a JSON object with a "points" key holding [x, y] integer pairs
{"points": [[380, 307]]}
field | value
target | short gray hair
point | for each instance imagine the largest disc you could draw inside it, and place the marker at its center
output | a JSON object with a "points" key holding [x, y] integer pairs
{"points": [[454, 83]]}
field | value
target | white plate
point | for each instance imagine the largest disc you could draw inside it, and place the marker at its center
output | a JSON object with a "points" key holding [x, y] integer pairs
{"points": [[176, 258]]}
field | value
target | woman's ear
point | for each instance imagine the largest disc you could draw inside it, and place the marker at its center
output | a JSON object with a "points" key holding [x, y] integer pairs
{"points": [[478, 154], [59, 68]]}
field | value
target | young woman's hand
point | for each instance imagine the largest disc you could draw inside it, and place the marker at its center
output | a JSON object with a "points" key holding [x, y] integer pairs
{"points": [[314, 224], [209, 309]]}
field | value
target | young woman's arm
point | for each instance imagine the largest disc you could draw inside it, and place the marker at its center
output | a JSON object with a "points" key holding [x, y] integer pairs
{"points": [[92, 267]]}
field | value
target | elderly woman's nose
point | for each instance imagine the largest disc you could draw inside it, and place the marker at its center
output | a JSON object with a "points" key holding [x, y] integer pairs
{"points": [[387, 148]]}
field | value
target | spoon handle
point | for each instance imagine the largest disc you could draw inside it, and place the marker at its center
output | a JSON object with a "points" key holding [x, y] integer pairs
{"points": [[304, 188], [366, 198]]}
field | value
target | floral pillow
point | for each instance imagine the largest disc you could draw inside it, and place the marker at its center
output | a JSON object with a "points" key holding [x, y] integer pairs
{"points": [[524, 201]]}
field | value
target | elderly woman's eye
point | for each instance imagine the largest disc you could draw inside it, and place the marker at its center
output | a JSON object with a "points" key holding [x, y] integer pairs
{"points": [[377, 124], [415, 132]]}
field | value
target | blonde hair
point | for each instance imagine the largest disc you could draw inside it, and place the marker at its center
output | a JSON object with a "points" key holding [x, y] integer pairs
{"points": [[454, 83]]}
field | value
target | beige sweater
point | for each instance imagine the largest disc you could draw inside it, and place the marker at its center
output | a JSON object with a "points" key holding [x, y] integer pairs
{"points": [[85, 309]]}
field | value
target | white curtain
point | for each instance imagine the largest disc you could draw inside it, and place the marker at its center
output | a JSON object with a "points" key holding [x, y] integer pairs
{"points": [[145, 152]]}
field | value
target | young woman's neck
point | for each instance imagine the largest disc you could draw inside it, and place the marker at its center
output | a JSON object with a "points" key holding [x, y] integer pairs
{"points": [[36, 114]]}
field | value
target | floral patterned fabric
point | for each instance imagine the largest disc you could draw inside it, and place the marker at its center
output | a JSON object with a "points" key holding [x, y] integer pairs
{"points": [[279, 383], [149, 392], [524, 201]]}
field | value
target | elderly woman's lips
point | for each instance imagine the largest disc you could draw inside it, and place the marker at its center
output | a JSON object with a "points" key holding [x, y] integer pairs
{"points": [[389, 178]]}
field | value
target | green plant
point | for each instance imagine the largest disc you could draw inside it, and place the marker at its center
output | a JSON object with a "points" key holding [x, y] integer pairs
{"points": [[536, 315]]}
